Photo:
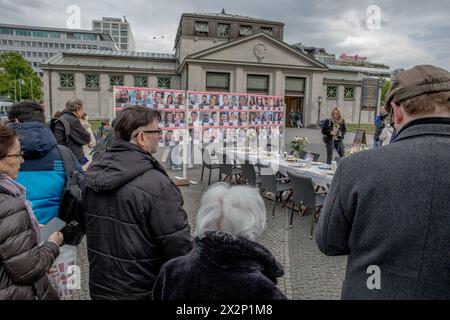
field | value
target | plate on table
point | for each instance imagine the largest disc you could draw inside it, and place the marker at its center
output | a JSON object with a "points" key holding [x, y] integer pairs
{"points": [[331, 173], [314, 163], [324, 167], [297, 165], [293, 159]]}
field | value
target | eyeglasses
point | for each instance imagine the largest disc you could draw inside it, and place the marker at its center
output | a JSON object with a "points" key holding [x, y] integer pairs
{"points": [[159, 131], [18, 155]]}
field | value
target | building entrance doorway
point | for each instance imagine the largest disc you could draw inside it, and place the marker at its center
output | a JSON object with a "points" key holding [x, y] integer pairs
{"points": [[294, 111]]}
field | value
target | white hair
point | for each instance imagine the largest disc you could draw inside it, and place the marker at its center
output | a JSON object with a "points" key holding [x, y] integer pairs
{"points": [[237, 210]]}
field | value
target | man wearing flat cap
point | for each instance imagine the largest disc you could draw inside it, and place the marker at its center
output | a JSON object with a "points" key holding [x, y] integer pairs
{"points": [[395, 226]]}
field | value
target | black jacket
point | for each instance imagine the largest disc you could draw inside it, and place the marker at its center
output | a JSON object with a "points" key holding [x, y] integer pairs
{"points": [[135, 222], [221, 269], [23, 263], [78, 136], [328, 127]]}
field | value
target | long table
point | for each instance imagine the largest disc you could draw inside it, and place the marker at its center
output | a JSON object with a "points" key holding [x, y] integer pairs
{"points": [[278, 164]]}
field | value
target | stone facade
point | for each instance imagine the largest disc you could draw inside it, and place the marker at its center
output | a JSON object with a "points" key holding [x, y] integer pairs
{"points": [[196, 56]]}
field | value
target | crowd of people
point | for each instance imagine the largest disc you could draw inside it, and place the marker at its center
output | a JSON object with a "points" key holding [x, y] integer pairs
{"points": [[394, 216]]}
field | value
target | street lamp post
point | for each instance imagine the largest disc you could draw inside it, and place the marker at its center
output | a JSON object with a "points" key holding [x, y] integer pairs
{"points": [[319, 100], [20, 88], [15, 90]]}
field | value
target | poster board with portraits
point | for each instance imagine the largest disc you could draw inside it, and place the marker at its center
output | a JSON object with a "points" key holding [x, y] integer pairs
{"points": [[225, 116], [209, 117], [171, 104]]}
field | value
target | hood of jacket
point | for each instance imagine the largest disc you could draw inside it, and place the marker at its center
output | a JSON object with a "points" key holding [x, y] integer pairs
{"points": [[226, 252], [122, 163], [36, 139]]}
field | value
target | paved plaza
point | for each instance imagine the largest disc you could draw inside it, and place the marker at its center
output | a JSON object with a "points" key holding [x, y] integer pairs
{"points": [[308, 273]]}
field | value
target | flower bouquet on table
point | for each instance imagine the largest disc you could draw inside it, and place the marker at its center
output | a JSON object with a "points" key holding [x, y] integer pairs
{"points": [[356, 148], [298, 144]]}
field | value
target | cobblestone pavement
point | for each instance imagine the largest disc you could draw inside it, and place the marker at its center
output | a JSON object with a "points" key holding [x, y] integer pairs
{"points": [[308, 273]]}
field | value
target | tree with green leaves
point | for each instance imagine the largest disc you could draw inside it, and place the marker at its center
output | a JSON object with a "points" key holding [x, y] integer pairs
{"points": [[18, 80], [385, 86]]}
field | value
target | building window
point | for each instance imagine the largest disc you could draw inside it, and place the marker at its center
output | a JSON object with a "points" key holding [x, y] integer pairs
{"points": [[349, 93], [257, 83], [217, 81], [201, 28], [123, 46], [331, 92], [245, 30], [92, 81], [163, 83], [116, 81], [97, 25], [223, 30], [294, 84], [124, 33], [140, 82], [267, 30], [67, 80]]}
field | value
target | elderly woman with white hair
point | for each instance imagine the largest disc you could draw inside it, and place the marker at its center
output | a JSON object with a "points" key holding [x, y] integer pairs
{"points": [[226, 263]]}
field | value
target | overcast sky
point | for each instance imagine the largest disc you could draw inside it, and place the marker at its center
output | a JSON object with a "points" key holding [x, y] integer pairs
{"points": [[410, 32]]}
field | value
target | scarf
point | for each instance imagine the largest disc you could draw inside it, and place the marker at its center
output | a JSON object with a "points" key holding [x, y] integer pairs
{"points": [[336, 126], [16, 190]]}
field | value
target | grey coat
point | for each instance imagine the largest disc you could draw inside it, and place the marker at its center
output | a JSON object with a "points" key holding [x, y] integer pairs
{"points": [[390, 207]]}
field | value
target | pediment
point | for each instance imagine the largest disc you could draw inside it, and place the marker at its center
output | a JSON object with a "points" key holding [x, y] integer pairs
{"points": [[259, 48]]}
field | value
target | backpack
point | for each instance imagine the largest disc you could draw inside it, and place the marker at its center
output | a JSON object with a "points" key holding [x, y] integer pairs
{"points": [[103, 145], [71, 204], [66, 125]]}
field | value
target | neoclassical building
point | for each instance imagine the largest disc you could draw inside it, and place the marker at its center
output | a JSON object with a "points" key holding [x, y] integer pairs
{"points": [[213, 52]]}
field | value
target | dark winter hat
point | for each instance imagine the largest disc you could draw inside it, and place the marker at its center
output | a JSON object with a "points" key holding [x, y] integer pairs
{"points": [[417, 81]]}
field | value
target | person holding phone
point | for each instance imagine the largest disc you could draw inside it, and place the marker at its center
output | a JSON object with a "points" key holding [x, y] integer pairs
{"points": [[23, 262]]}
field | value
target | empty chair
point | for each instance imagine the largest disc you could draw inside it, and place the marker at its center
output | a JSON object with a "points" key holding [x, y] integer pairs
{"points": [[270, 183], [208, 163], [229, 168], [303, 193], [249, 175]]}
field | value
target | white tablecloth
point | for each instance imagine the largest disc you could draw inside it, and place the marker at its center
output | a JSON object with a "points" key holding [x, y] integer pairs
{"points": [[278, 164]]}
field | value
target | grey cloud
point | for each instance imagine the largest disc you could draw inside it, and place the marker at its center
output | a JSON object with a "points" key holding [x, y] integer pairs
{"points": [[418, 30]]}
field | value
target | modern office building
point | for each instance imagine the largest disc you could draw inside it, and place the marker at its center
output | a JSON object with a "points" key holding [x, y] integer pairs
{"points": [[213, 52], [37, 44], [119, 29]]}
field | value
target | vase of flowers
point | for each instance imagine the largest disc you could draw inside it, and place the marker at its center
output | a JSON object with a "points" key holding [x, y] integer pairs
{"points": [[298, 144], [356, 148]]}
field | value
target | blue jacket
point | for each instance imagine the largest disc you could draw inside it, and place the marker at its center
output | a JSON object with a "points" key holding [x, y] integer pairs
{"points": [[42, 173]]}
